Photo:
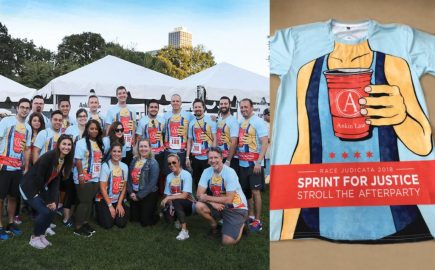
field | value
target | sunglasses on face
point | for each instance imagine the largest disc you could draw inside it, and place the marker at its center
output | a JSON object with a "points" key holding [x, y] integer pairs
{"points": [[172, 163], [119, 130]]}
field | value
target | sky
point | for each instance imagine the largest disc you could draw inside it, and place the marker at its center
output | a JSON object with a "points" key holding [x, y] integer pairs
{"points": [[236, 31]]}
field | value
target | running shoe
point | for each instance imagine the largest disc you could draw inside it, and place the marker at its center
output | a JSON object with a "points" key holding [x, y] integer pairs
{"points": [[50, 232], [68, 223], [3, 234], [256, 226], [12, 228], [183, 235], [89, 228], [35, 241], [45, 241], [82, 232]]}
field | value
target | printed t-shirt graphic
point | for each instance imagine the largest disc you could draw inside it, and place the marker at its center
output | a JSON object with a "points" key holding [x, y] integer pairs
{"points": [[148, 128], [96, 117], [316, 126], [226, 128], [250, 132], [15, 137], [91, 162], [177, 184], [125, 115], [46, 140], [201, 131], [67, 123], [116, 178], [176, 129], [135, 173], [220, 184], [74, 132]]}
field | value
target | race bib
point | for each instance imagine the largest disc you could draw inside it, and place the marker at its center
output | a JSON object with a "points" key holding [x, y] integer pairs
{"points": [[19, 139], [96, 169], [175, 143], [196, 148], [127, 139]]}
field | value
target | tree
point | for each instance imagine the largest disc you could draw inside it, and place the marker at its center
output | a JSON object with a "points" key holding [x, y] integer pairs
{"points": [[37, 73], [6, 52], [81, 48]]}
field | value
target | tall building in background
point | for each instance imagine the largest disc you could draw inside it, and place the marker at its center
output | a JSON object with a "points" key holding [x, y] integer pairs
{"points": [[180, 38]]}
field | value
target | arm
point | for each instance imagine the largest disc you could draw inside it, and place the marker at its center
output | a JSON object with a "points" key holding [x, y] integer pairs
{"points": [[35, 154], [264, 142], [80, 171], [226, 199], [188, 148], [26, 159], [233, 146]]}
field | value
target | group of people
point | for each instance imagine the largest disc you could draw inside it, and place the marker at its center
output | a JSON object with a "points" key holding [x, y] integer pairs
{"points": [[121, 166]]}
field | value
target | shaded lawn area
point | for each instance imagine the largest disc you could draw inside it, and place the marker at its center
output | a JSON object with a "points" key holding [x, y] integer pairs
{"points": [[136, 247]]}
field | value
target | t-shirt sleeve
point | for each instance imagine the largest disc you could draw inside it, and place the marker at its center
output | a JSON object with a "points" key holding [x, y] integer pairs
{"points": [[79, 152], [167, 192], [203, 181], [190, 131], [3, 124], [234, 128], [261, 128], [422, 51], [187, 185], [140, 127], [281, 51], [29, 136], [109, 117], [40, 139], [105, 172], [213, 127], [231, 179]]}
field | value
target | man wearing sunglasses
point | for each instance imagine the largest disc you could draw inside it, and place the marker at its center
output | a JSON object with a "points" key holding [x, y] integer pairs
{"points": [[201, 136], [127, 116], [151, 127]]}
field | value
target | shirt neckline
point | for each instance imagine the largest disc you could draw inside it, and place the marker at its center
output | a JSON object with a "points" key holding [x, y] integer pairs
{"points": [[370, 27]]}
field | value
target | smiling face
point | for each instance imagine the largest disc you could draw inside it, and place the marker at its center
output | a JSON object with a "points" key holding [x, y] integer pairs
{"points": [[38, 105], [122, 95], [23, 109], [93, 104], [93, 131], [65, 107], [153, 109], [198, 109], [35, 123], [65, 146], [116, 153], [215, 160], [56, 121], [224, 106], [82, 118], [144, 148], [119, 131], [246, 109], [173, 164], [176, 102]]}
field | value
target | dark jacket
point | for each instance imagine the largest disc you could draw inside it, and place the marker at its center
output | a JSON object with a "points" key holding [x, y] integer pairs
{"points": [[34, 182], [149, 176]]}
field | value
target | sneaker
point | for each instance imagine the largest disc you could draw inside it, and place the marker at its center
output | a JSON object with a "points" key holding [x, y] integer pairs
{"points": [[68, 223], [12, 228], [17, 220], [50, 232], [82, 232], [3, 234], [183, 235], [256, 226], [89, 228], [45, 241], [250, 220], [35, 241], [52, 225], [177, 224]]}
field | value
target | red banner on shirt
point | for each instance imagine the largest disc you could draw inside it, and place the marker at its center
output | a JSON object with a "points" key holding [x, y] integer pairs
{"points": [[352, 184]]}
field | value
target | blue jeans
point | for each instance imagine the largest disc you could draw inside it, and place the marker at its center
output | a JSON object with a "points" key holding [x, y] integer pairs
{"points": [[44, 215]]}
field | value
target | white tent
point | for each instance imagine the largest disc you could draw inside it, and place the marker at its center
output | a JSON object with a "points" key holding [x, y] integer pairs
{"points": [[225, 80], [105, 75], [14, 90]]}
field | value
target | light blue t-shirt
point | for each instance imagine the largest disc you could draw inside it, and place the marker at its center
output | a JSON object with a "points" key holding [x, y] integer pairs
{"points": [[226, 129], [226, 181], [74, 131], [106, 143], [173, 123], [46, 140], [91, 161], [12, 133], [178, 184], [116, 178], [201, 132], [123, 115], [147, 128], [296, 48], [97, 117], [252, 129]]}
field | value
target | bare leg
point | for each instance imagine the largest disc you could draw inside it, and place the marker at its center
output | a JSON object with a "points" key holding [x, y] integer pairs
{"points": [[256, 194]]}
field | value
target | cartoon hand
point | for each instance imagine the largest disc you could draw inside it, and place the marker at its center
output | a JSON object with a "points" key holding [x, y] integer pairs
{"points": [[23, 145], [385, 110], [181, 131], [224, 138], [204, 137], [158, 136], [246, 139], [130, 125]]}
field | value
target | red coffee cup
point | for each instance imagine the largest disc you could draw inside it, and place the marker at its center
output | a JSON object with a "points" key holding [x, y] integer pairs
{"points": [[345, 88]]}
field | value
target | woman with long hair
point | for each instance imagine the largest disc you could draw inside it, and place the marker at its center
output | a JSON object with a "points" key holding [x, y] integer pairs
{"points": [[178, 195], [88, 156], [39, 187], [111, 208], [68, 190], [142, 185], [114, 134]]}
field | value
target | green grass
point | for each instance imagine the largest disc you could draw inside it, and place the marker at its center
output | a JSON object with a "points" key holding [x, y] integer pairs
{"points": [[135, 247]]}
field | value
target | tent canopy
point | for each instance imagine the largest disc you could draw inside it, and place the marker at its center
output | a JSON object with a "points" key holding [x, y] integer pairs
{"points": [[225, 80], [105, 75], [14, 90]]}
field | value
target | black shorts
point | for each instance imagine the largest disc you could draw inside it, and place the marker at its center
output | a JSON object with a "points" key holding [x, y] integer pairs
{"points": [[249, 180], [9, 181]]}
